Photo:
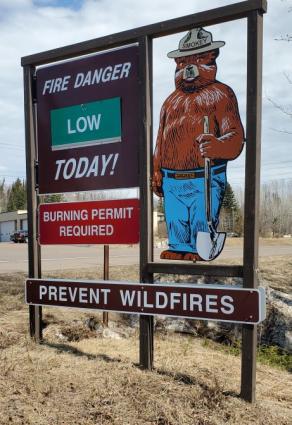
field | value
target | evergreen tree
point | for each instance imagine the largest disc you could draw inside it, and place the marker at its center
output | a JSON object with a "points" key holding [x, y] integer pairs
{"points": [[231, 216], [2, 196], [56, 197], [16, 197], [229, 201]]}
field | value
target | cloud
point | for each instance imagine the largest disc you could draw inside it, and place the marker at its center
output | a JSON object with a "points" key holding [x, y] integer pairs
{"points": [[29, 27], [71, 4]]}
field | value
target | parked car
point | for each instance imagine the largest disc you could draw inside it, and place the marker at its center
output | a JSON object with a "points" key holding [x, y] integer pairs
{"points": [[19, 236]]}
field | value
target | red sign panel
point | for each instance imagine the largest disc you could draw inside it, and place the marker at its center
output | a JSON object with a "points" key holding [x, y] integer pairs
{"points": [[222, 303], [93, 222]]}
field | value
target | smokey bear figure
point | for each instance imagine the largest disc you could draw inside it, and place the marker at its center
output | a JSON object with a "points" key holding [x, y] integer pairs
{"points": [[182, 145]]}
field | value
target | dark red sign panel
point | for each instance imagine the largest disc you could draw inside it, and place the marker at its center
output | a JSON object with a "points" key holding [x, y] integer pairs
{"points": [[92, 222], [88, 123], [220, 303]]}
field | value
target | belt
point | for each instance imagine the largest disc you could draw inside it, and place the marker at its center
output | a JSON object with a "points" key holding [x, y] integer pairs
{"points": [[191, 174]]}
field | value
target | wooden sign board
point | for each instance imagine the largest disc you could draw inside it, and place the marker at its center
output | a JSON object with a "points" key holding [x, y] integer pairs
{"points": [[88, 123], [221, 303]]}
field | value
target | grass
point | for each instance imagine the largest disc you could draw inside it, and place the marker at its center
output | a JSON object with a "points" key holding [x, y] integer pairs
{"points": [[81, 376], [275, 356], [96, 381], [269, 355]]}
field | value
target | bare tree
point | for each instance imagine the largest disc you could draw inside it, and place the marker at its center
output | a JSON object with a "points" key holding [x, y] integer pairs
{"points": [[275, 208], [276, 213], [285, 110], [286, 37]]}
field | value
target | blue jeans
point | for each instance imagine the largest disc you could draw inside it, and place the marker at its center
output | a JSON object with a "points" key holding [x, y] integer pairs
{"points": [[184, 205]]}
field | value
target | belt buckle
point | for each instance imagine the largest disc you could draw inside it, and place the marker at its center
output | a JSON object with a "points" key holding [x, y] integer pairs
{"points": [[182, 176]]}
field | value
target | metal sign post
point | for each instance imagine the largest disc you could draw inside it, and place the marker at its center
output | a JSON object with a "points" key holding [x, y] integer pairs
{"points": [[34, 256], [146, 199], [105, 277], [252, 193]]}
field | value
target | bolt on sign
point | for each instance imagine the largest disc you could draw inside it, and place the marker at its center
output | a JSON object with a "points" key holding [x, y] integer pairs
{"points": [[92, 222], [87, 123], [222, 303]]}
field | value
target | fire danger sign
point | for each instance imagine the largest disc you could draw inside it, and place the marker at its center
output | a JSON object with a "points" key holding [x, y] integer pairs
{"points": [[93, 222], [223, 303], [88, 123]]}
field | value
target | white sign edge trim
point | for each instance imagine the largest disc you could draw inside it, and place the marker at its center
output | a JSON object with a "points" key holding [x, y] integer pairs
{"points": [[87, 201], [79, 145], [150, 285], [148, 314], [262, 304]]}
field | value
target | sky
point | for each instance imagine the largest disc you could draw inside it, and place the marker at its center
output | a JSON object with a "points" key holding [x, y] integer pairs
{"points": [[32, 26]]}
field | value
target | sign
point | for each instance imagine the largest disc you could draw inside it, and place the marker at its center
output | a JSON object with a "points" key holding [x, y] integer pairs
{"points": [[189, 163], [92, 222], [88, 123], [222, 303]]}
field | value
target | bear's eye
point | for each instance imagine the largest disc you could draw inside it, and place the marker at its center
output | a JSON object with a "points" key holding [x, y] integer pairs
{"points": [[202, 57]]}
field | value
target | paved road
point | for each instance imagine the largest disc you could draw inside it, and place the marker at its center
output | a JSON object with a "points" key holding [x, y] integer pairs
{"points": [[13, 257]]}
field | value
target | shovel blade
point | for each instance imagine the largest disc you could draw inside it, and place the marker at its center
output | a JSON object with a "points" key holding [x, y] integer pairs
{"points": [[209, 247]]}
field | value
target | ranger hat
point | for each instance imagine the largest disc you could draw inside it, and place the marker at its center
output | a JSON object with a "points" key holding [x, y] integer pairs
{"points": [[195, 41]]}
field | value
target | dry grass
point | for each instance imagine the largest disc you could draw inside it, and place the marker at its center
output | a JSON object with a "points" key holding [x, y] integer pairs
{"points": [[276, 271], [76, 377], [97, 382]]}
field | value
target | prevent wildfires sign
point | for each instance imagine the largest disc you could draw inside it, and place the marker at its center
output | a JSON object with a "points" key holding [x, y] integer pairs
{"points": [[88, 123], [203, 302]]}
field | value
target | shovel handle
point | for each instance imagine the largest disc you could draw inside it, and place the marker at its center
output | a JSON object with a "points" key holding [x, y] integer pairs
{"points": [[206, 125], [207, 176]]}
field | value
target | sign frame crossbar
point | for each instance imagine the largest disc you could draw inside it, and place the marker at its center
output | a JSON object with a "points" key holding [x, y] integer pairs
{"points": [[208, 17]]}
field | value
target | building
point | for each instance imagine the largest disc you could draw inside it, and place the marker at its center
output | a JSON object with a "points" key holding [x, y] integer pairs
{"points": [[10, 222], [159, 225]]}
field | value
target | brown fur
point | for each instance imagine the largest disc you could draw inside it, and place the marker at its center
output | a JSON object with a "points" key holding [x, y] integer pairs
{"points": [[170, 255], [187, 256], [181, 120], [181, 144]]}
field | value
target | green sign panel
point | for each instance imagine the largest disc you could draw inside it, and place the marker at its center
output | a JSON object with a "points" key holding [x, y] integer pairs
{"points": [[87, 124]]}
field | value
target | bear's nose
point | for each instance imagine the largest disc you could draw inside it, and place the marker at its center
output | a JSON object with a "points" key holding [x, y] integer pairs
{"points": [[190, 72]]}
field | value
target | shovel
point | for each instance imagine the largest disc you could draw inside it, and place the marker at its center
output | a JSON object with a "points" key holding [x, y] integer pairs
{"points": [[211, 243]]}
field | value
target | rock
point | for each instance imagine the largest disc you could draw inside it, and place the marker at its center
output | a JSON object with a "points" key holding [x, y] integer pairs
{"points": [[93, 323], [277, 328], [131, 320], [169, 324], [109, 333]]}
